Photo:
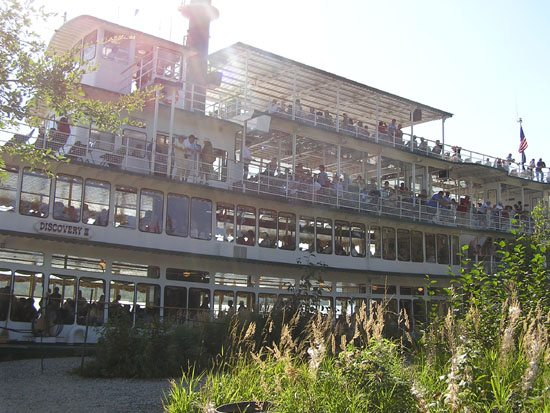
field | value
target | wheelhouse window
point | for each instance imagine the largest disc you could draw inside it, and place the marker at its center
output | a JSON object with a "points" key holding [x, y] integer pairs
{"points": [[90, 301], [177, 274], [116, 47], [62, 298], [35, 194], [89, 45], [342, 237], [5, 293], [307, 234], [96, 202], [225, 222], [417, 243], [8, 189], [68, 198], [358, 240], [177, 215], [246, 225], [429, 240], [375, 247], [201, 218], [150, 211], [27, 294], [443, 249], [267, 228], [403, 245], [287, 231], [388, 243], [125, 207], [324, 235], [147, 307]]}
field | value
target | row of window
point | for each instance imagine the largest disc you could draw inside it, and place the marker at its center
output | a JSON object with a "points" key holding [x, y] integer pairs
{"points": [[89, 201], [68, 299]]}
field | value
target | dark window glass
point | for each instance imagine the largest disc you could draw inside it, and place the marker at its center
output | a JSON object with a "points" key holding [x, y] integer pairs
{"points": [[178, 274], [358, 240], [403, 245], [442, 249], [388, 242], [125, 207], [267, 228], [324, 235], [225, 222], [246, 225], [429, 240], [8, 189], [342, 238], [150, 211], [96, 202], [177, 215], [201, 218], [417, 243], [287, 231], [35, 194], [307, 234]]}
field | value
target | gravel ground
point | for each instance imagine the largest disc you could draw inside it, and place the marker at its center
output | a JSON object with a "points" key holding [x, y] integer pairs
{"points": [[24, 388]]}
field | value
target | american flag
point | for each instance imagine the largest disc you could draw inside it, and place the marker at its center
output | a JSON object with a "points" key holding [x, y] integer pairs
{"points": [[522, 140]]}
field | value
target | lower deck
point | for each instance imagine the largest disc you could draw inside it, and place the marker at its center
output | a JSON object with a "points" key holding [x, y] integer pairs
{"points": [[59, 287]]}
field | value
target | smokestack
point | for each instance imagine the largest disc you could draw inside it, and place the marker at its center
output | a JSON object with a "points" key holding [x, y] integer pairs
{"points": [[200, 13]]}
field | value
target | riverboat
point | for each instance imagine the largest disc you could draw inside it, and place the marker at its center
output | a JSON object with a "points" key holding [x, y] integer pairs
{"points": [[247, 175]]}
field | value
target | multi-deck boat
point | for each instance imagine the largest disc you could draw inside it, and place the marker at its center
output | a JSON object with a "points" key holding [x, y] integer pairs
{"points": [[293, 172]]}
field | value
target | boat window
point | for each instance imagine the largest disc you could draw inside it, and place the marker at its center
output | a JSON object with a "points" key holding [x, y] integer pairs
{"points": [[177, 215], [175, 304], [169, 64], [21, 257], [225, 222], [245, 303], [90, 301], [456, 251], [125, 207], [384, 289], [199, 304], [96, 203], [388, 243], [224, 304], [358, 240], [5, 293], [116, 47], [61, 298], [443, 249], [429, 240], [27, 294], [234, 280], [287, 231], [89, 46], [374, 242], [419, 311], [405, 290], [8, 189], [177, 274], [322, 305], [417, 250], [403, 245], [266, 302], [405, 309], [35, 193], [324, 235], [135, 270], [101, 142], [342, 237], [150, 211], [70, 262], [121, 301], [201, 218], [307, 234], [246, 225], [147, 306], [347, 287], [278, 283], [68, 198], [267, 228]]}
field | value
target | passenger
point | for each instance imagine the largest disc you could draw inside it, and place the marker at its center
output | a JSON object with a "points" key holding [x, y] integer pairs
{"points": [[246, 158], [392, 128], [438, 148], [179, 157], [423, 145], [298, 111], [311, 115], [207, 162], [359, 181], [339, 249], [271, 168], [281, 108], [54, 299], [322, 177], [487, 162], [191, 153], [531, 168], [328, 119], [362, 130], [382, 128], [538, 170], [250, 238], [266, 242], [242, 308], [273, 107]]}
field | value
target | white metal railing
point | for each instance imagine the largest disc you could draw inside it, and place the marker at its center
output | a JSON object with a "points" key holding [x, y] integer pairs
{"points": [[137, 156]]}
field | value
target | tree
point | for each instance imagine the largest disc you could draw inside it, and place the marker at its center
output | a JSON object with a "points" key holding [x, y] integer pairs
{"points": [[31, 76]]}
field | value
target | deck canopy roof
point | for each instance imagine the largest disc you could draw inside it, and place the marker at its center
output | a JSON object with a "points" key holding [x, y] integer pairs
{"points": [[274, 77]]}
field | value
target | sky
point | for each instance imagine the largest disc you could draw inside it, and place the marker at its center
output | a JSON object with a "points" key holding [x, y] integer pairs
{"points": [[485, 61]]}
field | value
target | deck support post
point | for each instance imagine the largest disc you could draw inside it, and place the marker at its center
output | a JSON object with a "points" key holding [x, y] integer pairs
{"points": [[170, 134], [155, 128], [411, 141], [377, 121]]}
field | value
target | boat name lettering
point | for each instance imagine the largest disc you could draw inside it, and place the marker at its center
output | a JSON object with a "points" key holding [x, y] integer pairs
{"points": [[78, 231]]}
